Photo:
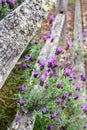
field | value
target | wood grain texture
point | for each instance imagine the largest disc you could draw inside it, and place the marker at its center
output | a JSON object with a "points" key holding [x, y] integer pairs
{"points": [[16, 30]]}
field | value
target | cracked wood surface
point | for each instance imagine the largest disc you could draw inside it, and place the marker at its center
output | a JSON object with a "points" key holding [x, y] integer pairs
{"points": [[16, 30]]}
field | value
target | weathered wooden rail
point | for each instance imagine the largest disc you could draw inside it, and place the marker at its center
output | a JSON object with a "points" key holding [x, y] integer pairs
{"points": [[15, 36], [16, 30]]}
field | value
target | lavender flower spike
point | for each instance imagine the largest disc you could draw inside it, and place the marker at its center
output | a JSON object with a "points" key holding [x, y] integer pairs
{"points": [[50, 127], [85, 108], [59, 85], [44, 110], [59, 50], [68, 71], [69, 44], [22, 88], [59, 119], [78, 88], [21, 101], [35, 74], [59, 101], [85, 126], [83, 77], [53, 115], [77, 96], [27, 57], [16, 117], [47, 85], [51, 18], [42, 80], [24, 65], [3, 2], [11, 3]]}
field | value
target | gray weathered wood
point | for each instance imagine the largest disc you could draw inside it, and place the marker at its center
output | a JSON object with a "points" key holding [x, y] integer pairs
{"points": [[78, 59], [16, 30], [78, 24], [61, 7], [48, 50]]}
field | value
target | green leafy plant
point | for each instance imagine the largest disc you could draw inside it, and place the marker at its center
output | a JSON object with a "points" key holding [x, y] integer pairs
{"points": [[56, 102]]}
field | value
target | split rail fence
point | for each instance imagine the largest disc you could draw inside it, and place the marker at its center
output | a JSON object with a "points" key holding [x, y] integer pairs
{"points": [[17, 29]]}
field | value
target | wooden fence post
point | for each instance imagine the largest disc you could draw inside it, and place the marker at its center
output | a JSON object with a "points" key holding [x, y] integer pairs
{"points": [[61, 7]]}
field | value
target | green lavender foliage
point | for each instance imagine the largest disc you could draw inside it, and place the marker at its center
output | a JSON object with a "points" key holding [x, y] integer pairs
{"points": [[35, 101], [4, 10]]}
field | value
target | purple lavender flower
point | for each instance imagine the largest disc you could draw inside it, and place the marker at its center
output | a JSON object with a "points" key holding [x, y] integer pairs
{"points": [[69, 44], [2, 2], [59, 50], [21, 101], [56, 74], [70, 94], [84, 33], [64, 107], [50, 30], [51, 74], [48, 35], [59, 101], [22, 88], [59, 119], [45, 73], [35, 74], [52, 38], [49, 70], [78, 88], [68, 71], [11, 3], [29, 65], [43, 78], [44, 110], [27, 57], [59, 85], [17, 117], [83, 77], [85, 126], [50, 127], [65, 96], [43, 64], [51, 62], [44, 38], [24, 65], [53, 115], [31, 58], [54, 58], [85, 108], [77, 96], [56, 64], [47, 85], [51, 18]]}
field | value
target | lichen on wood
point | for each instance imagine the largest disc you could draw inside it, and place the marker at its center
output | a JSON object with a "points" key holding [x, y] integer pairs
{"points": [[16, 30]]}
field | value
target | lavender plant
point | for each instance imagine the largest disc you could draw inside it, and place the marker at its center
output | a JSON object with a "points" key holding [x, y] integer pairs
{"points": [[6, 6], [56, 103]]}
